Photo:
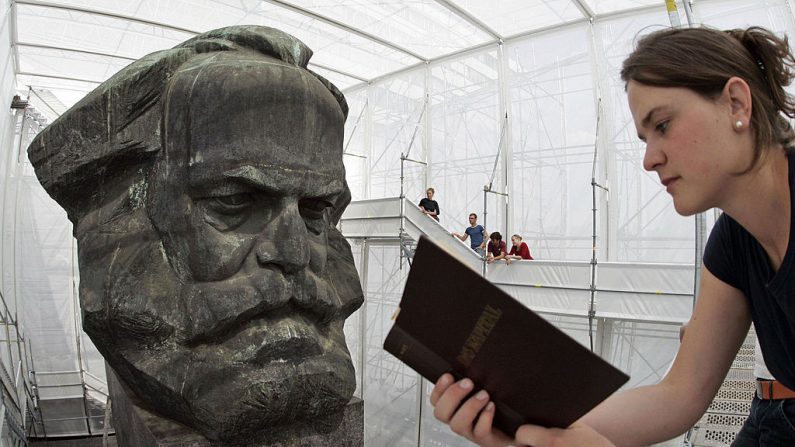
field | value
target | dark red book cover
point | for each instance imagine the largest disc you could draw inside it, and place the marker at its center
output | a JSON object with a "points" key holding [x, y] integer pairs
{"points": [[453, 320]]}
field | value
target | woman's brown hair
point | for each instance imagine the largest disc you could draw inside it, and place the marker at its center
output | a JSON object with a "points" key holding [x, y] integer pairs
{"points": [[703, 59]]}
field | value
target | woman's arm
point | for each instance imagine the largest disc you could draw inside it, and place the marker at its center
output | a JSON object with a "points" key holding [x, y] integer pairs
{"points": [[435, 211], [525, 252], [640, 416], [658, 412]]}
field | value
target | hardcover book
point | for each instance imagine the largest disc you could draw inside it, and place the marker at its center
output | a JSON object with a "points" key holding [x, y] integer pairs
{"points": [[453, 320]]}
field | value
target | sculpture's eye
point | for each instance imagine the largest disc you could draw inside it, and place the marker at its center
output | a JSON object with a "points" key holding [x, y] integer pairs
{"points": [[314, 213], [227, 211], [232, 204]]}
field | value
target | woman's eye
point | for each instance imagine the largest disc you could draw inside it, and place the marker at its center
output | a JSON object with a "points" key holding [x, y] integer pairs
{"points": [[232, 204]]}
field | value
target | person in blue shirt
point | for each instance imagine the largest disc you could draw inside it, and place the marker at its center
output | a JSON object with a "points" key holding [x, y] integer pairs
{"points": [[476, 233]]}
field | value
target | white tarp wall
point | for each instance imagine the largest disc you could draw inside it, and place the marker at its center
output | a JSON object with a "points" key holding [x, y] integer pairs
{"points": [[15, 354], [549, 82]]}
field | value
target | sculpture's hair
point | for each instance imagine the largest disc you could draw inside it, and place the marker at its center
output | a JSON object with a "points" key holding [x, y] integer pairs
{"points": [[703, 59], [113, 133]]}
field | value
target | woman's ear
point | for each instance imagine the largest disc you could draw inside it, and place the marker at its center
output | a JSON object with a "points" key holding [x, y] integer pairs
{"points": [[738, 94]]}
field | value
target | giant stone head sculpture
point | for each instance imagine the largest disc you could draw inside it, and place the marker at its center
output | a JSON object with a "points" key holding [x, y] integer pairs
{"points": [[204, 183]]}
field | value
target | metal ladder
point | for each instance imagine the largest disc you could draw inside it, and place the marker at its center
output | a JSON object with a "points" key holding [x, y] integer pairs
{"points": [[728, 411]]}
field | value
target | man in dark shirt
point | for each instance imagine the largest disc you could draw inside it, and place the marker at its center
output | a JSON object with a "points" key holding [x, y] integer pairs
{"points": [[429, 206], [497, 248]]}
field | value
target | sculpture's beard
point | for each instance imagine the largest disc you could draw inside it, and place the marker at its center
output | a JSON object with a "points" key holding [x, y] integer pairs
{"points": [[229, 358]]}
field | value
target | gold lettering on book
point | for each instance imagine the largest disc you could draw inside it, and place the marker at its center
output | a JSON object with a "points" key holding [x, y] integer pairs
{"points": [[485, 324]]}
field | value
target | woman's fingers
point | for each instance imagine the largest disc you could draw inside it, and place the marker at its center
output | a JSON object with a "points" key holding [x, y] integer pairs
{"points": [[451, 399], [483, 427], [465, 417], [469, 417], [441, 386]]}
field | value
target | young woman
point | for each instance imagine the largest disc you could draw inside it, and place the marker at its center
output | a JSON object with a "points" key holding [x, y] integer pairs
{"points": [[709, 106], [519, 250], [429, 206]]}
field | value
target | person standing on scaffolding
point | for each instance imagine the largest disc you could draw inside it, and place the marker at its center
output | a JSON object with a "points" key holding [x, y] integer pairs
{"points": [[476, 233], [429, 206]]}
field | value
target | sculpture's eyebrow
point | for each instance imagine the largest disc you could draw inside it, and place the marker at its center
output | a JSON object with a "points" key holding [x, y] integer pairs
{"points": [[254, 177], [268, 179]]}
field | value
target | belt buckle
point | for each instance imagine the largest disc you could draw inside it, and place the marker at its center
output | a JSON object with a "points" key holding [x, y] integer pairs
{"points": [[760, 389]]}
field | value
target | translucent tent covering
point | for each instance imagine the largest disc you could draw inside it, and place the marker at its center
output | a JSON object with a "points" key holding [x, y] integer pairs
{"points": [[513, 96]]}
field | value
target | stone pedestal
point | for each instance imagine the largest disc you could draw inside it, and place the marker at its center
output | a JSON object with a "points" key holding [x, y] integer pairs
{"points": [[137, 427]]}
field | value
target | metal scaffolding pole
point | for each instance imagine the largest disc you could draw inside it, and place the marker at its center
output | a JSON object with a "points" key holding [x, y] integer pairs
{"points": [[404, 250], [487, 189], [594, 186]]}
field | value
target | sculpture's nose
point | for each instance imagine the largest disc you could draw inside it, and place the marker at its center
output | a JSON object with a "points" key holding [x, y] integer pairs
{"points": [[284, 242]]}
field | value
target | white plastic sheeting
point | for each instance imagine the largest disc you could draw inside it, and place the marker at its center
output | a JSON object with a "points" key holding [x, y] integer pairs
{"points": [[15, 354], [355, 41], [553, 85]]}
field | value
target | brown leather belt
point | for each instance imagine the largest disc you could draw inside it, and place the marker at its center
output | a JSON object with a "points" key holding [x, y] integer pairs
{"points": [[773, 390]]}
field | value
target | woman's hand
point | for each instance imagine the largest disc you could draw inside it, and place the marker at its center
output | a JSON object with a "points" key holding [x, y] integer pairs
{"points": [[473, 418], [578, 435]]}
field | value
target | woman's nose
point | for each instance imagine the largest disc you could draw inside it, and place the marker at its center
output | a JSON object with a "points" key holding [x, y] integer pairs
{"points": [[653, 157]]}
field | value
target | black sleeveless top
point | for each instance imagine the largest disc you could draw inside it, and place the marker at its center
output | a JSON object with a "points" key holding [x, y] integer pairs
{"points": [[738, 259]]}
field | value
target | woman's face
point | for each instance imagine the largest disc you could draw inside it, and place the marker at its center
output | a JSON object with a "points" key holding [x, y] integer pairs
{"points": [[515, 241], [691, 143], [429, 194]]}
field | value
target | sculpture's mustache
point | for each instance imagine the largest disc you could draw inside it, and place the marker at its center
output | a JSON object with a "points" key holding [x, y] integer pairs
{"points": [[213, 310]]}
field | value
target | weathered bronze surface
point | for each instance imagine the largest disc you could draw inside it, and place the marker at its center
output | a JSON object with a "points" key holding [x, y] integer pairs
{"points": [[204, 183]]}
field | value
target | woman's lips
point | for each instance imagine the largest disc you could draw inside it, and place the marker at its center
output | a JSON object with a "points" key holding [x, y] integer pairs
{"points": [[668, 182]]}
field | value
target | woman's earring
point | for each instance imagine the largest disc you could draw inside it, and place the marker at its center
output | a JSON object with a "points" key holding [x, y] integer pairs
{"points": [[738, 124]]}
